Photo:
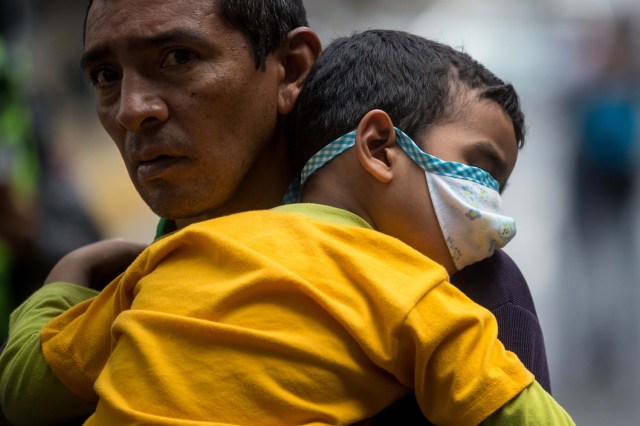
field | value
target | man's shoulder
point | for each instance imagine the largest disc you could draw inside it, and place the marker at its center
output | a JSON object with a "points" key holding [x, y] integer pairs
{"points": [[495, 282], [498, 284]]}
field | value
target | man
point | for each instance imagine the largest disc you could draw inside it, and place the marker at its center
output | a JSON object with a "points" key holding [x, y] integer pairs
{"points": [[195, 96]]}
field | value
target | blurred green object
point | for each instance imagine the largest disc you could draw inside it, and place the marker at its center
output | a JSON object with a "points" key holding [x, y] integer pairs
{"points": [[19, 157], [19, 164]]}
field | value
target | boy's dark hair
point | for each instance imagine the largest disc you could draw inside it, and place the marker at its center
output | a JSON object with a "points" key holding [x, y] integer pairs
{"points": [[418, 82], [265, 23]]}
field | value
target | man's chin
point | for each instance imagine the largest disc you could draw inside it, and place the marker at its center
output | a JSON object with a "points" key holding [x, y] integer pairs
{"points": [[168, 201], [175, 211], [171, 203]]}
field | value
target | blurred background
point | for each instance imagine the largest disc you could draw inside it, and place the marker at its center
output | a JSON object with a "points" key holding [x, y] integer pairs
{"points": [[574, 192]]}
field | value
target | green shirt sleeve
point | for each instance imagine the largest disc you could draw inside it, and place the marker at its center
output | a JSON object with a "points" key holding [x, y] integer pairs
{"points": [[533, 406], [26, 381]]}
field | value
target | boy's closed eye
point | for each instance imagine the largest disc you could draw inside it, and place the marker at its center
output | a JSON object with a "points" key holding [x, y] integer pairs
{"points": [[483, 155]]}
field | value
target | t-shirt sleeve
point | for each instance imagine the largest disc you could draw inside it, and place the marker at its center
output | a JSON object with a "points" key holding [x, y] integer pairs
{"points": [[461, 372], [498, 284], [26, 380], [77, 343], [533, 406]]}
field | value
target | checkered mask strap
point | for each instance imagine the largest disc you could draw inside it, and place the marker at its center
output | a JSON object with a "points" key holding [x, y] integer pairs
{"points": [[444, 168], [428, 162], [322, 157]]}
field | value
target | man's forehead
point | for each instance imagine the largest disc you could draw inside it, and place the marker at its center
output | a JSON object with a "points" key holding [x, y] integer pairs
{"points": [[110, 19]]}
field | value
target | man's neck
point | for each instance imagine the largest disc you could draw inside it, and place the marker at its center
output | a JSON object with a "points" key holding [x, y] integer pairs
{"points": [[263, 187]]}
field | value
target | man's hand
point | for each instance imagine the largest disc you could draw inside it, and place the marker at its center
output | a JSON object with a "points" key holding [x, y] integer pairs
{"points": [[97, 264]]}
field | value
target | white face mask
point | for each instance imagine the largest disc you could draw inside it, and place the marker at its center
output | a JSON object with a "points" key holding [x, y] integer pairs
{"points": [[470, 218], [465, 199]]}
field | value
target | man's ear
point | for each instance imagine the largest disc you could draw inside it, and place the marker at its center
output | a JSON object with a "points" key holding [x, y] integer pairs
{"points": [[375, 135], [301, 51]]}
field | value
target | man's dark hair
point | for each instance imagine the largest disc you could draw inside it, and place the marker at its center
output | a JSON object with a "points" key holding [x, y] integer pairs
{"points": [[264, 23], [418, 82]]}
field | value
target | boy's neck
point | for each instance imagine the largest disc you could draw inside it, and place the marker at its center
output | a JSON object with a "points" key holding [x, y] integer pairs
{"points": [[337, 184], [390, 208], [337, 200]]}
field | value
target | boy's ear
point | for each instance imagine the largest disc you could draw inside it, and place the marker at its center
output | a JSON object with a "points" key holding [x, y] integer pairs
{"points": [[300, 51], [374, 136]]}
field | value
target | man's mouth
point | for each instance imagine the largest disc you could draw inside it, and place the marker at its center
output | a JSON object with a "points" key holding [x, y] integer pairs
{"points": [[157, 166]]}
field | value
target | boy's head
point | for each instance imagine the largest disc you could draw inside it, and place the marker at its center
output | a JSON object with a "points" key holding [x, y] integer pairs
{"points": [[454, 109], [420, 83]]}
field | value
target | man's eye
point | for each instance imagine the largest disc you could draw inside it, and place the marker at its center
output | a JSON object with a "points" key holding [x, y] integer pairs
{"points": [[177, 57], [104, 76]]}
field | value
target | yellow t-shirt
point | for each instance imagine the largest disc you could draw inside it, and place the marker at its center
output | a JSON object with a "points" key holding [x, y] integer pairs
{"points": [[276, 318]]}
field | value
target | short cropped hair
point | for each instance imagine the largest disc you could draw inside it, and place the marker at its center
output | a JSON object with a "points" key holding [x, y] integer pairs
{"points": [[264, 23], [418, 82]]}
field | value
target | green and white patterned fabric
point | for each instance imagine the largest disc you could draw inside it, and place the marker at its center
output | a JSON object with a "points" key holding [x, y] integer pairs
{"points": [[428, 162]]}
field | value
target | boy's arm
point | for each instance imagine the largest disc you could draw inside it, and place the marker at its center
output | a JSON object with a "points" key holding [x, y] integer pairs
{"points": [[449, 350], [459, 369], [498, 285], [533, 406], [25, 376], [462, 372]]}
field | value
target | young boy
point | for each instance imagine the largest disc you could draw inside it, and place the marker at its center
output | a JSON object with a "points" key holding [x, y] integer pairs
{"points": [[309, 313]]}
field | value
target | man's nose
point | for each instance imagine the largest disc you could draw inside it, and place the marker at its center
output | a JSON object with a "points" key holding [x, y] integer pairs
{"points": [[141, 103]]}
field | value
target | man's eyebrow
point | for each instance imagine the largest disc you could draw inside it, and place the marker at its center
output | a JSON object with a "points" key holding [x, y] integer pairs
{"points": [[93, 55], [100, 52]]}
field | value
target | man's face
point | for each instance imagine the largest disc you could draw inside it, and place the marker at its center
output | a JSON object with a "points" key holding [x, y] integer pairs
{"points": [[179, 93]]}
